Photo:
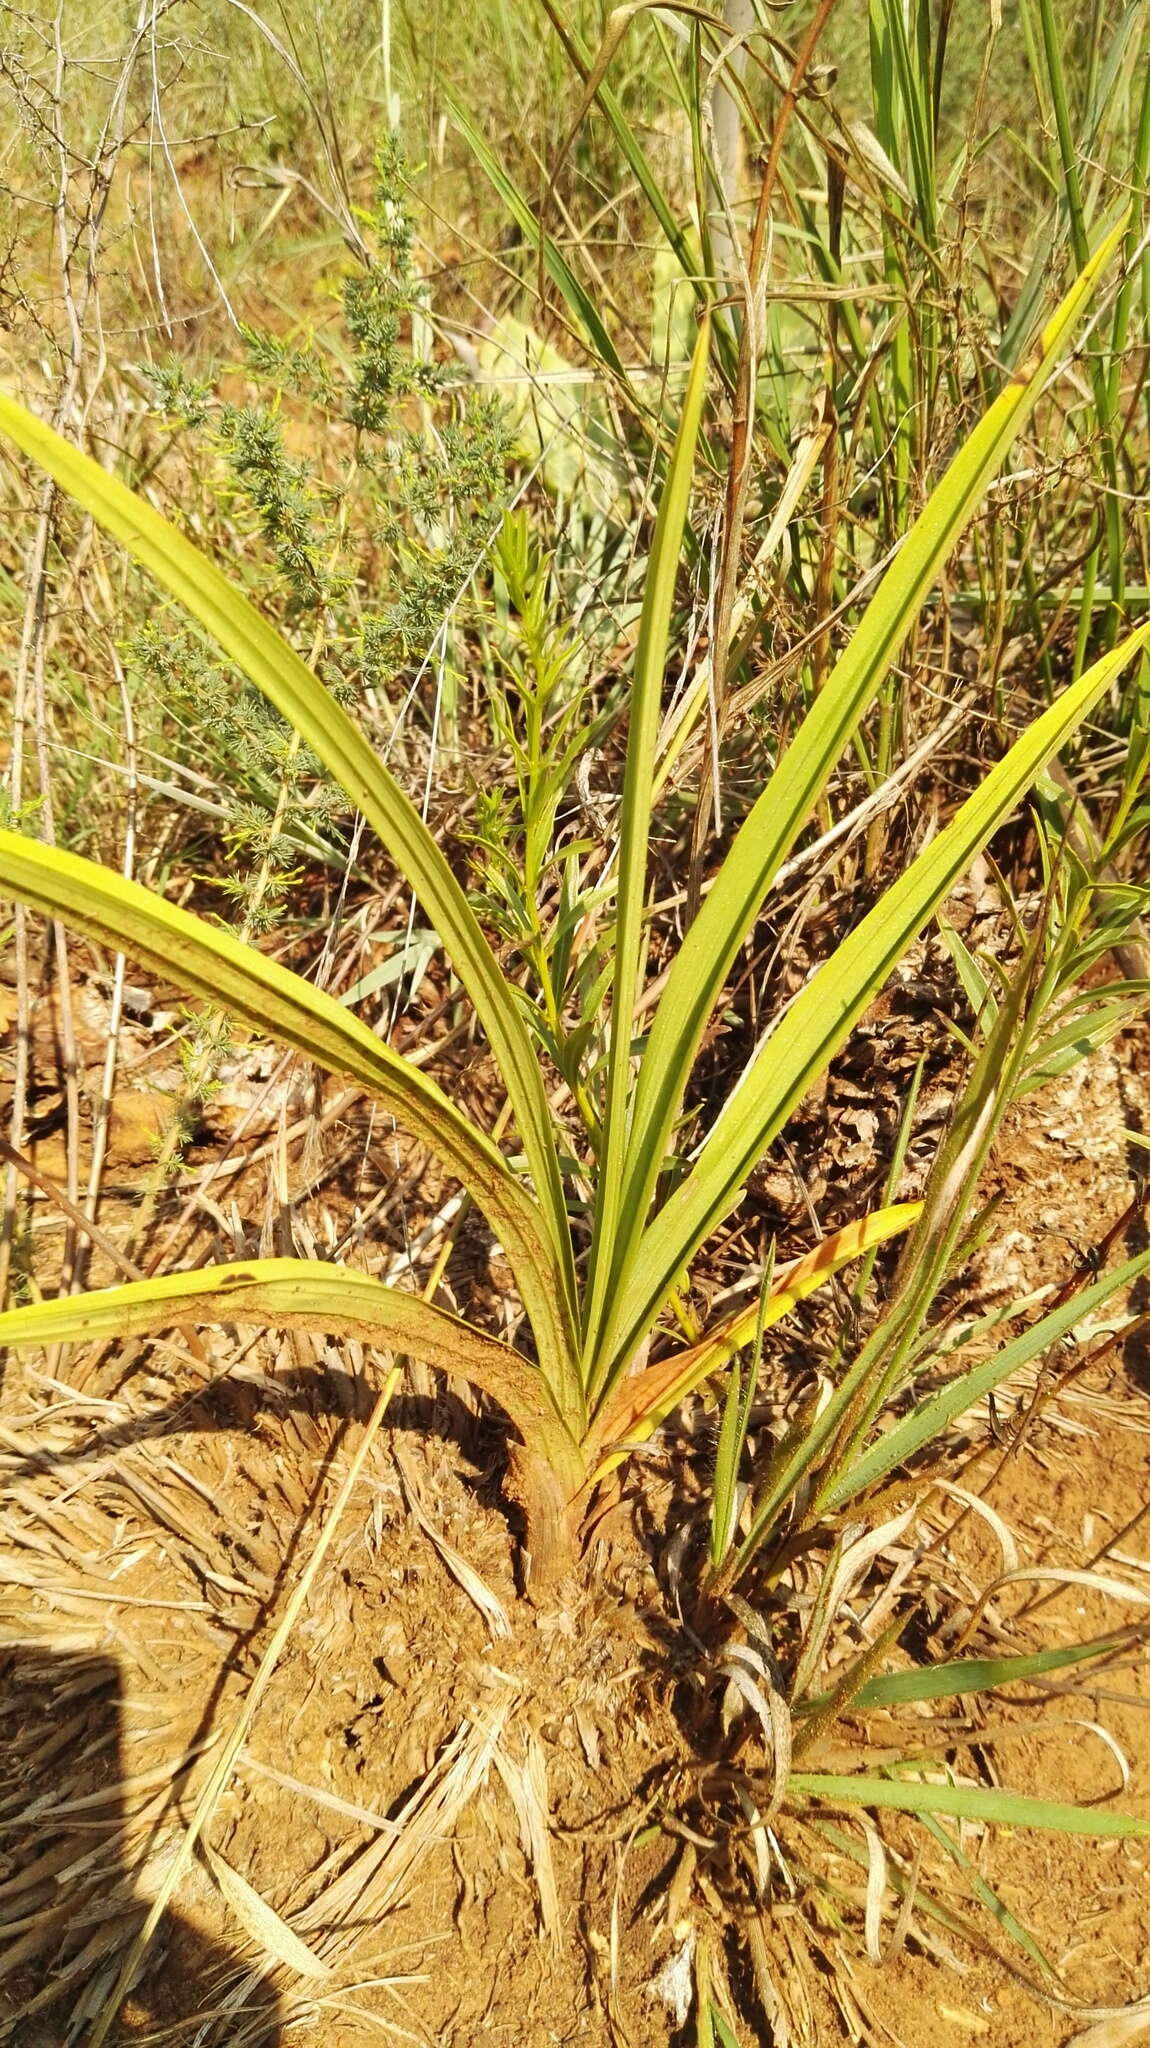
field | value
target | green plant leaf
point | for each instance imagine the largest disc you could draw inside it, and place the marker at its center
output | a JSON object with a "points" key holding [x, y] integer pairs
{"points": [[986, 1896], [821, 1018], [724, 2034], [932, 1416], [273, 666], [635, 830], [593, 80], [900, 1443], [639, 1277], [644, 1400], [967, 1802], [582, 306], [300, 1294], [975, 1674], [208, 962]]}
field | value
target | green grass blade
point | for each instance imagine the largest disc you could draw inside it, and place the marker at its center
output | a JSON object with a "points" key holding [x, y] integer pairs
{"points": [[931, 1416], [968, 1802], [824, 1014], [592, 77], [728, 1456], [1067, 148], [637, 162], [580, 304], [1070, 152], [297, 1294], [265, 657], [723, 2034], [1139, 172], [700, 971], [988, 1897], [741, 1389], [931, 1254], [208, 962], [973, 981], [975, 1674], [937, 1413], [635, 832], [926, 1903], [914, 92]]}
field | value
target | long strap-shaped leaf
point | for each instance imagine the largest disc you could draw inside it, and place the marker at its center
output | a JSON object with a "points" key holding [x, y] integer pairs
{"points": [[305, 1295], [829, 1007], [646, 1399], [968, 1802], [928, 1421], [635, 831], [700, 971], [210, 963], [978, 1674], [276, 669]]}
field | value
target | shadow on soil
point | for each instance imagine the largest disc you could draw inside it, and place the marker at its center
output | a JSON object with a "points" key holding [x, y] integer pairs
{"points": [[69, 1903], [236, 1404]]}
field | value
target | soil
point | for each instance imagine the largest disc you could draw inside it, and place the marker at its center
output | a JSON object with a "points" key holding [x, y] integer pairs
{"points": [[461, 1817]]}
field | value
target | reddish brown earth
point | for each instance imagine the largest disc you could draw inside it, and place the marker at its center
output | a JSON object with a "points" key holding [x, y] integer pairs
{"points": [[540, 1762]]}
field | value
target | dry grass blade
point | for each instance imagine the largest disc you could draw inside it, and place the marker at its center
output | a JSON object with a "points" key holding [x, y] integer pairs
{"points": [[526, 1785], [260, 1920], [876, 1887], [1097, 1582], [767, 1700], [225, 1763], [989, 1515], [364, 1816], [1119, 2032], [376, 1877], [476, 1588], [845, 1574]]}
